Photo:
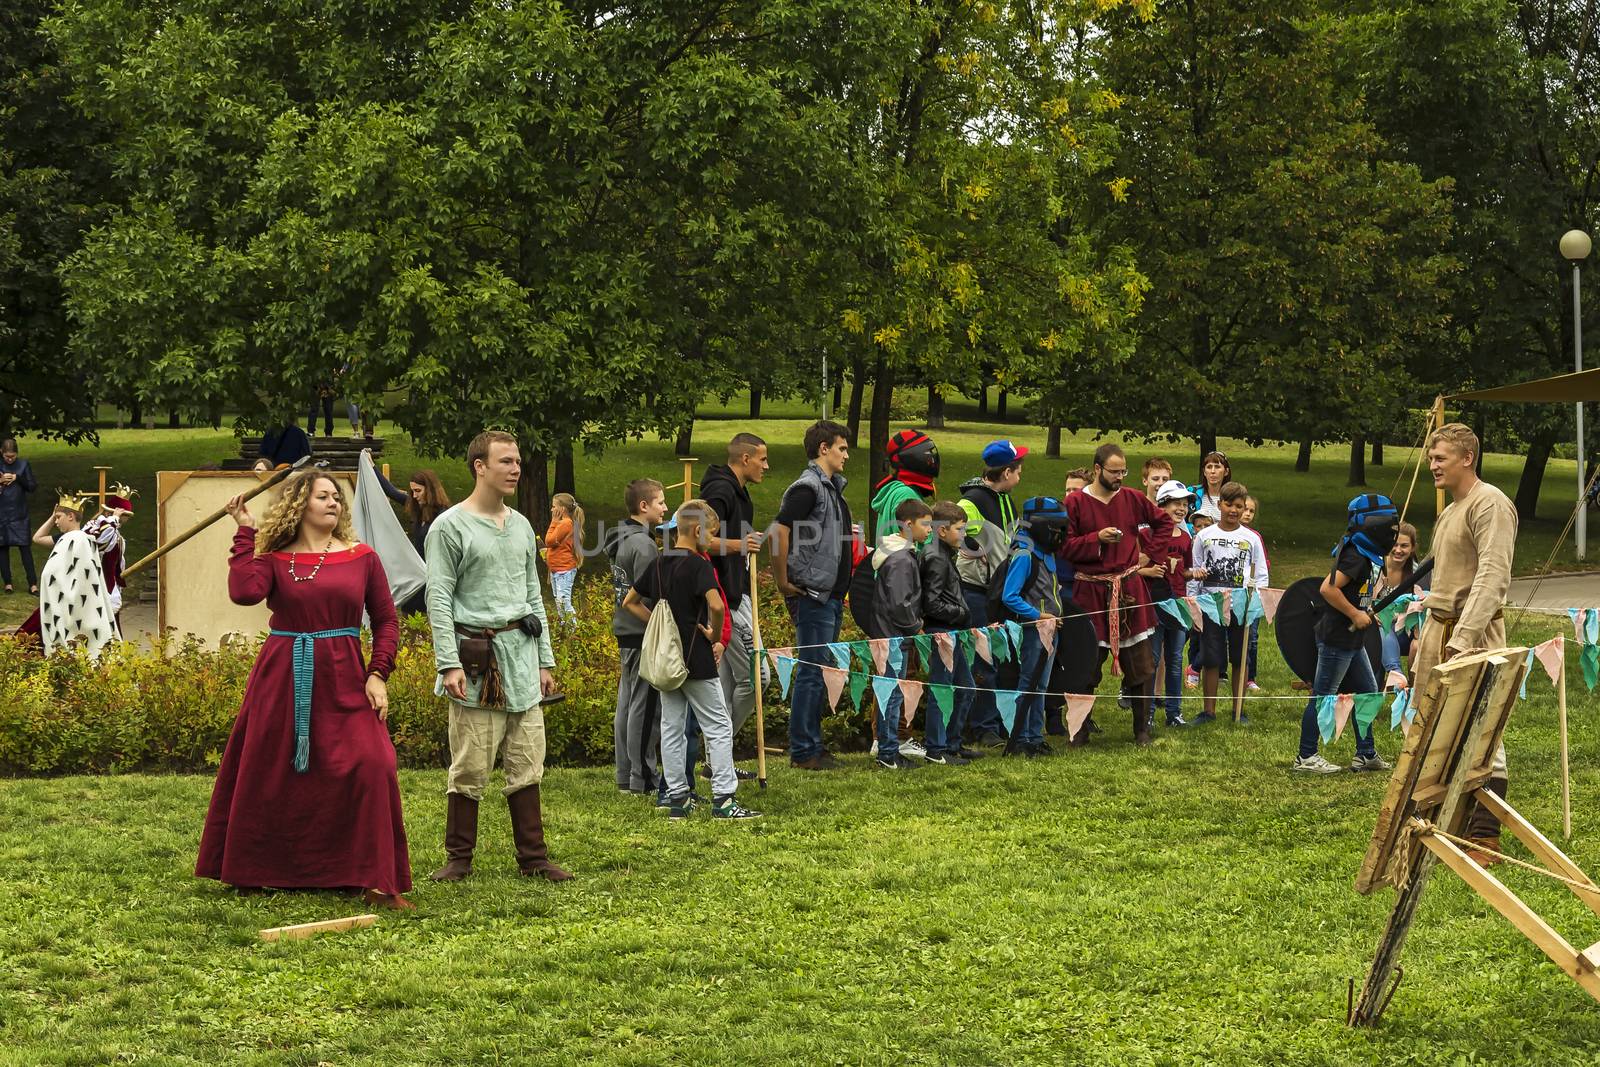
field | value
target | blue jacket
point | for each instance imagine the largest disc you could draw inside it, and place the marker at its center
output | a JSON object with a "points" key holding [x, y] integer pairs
{"points": [[1028, 600]]}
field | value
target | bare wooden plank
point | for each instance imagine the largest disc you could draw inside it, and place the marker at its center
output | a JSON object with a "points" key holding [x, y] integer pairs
{"points": [[327, 926], [1589, 958], [1540, 846]]}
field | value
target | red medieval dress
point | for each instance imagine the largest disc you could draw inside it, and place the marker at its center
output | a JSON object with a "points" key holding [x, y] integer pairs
{"points": [[337, 822]]}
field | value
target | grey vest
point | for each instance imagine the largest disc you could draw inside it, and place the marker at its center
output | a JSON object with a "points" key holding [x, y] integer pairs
{"points": [[816, 541]]}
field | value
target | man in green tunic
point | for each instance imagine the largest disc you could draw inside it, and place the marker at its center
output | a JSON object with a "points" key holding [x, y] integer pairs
{"points": [[483, 588]]}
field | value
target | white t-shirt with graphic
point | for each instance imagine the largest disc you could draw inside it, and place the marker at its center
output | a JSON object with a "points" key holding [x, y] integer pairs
{"points": [[1232, 559]]}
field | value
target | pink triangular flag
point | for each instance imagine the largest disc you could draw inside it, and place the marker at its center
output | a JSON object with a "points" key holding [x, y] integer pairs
{"points": [[774, 653], [945, 642], [980, 645], [835, 679], [1552, 655], [1269, 603], [1341, 712], [1194, 610], [1394, 680], [911, 691], [1078, 709], [1047, 632], [1225, 609], [1416, 607], [880, 654]]}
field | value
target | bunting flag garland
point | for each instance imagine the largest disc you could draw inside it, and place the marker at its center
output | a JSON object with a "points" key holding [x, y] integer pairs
{"points": [[1367, 706], [945, 642], [999, 644], [858, 689], [924, 643], [859, 650], [1270, 598], [980, 644], [1078, 708], [1178, 610], [1333, 712], [944, 700], [880, 653], [785, 665], [910, 697], [1255, 610], [1552, 656], [964, 639], [897, 656], [884, 688], [1208, 608], [1047, 634], [834, 679], [1386, 616], [1005, 701], [1398, 711], [1575, 614], [1241, 607], [1412, 619], [1014, 632], [841, 654]]}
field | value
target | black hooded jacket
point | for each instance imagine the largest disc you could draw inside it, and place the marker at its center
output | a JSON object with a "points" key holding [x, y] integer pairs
{"points": [[943, 605], [731, 501]]}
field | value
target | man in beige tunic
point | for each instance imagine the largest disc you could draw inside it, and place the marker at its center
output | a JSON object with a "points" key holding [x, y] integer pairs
{"points": [[1473, 543]]}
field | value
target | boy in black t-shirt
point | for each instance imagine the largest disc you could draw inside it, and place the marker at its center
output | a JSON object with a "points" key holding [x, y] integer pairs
{"points": [[1341, 640], [685, 579]]}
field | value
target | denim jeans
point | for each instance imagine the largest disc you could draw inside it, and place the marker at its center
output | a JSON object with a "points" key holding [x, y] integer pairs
{"points": [[816, 623], [1169, 640], [942, 739], [1333, 666], [561, 588], [1034, 673], [976, 706], [1391, 650], [889, 717]]}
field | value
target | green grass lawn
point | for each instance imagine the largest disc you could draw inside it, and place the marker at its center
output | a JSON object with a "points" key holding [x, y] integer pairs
{"points": [[1301, 516], [1186, 904]]}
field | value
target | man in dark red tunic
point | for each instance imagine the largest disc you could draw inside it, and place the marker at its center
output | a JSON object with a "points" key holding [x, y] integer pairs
{"points": [[1107, 529]]}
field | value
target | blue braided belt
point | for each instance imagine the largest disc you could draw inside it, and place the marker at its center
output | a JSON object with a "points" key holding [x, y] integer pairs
{"points": [[305, 666]]}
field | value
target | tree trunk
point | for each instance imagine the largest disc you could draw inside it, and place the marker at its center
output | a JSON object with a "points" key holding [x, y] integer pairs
{"points": [[755, 405], [1208, 445], [935, 408], [136, 414], [533, 491], [983, 399], [1052, 441], [1302, 462], [1377, 453], [685, 443], [172, 419], [882, 394], [1532, 480], [566, 475], [1358, 461], [858, 385], [1000, 405], [838, 392]]}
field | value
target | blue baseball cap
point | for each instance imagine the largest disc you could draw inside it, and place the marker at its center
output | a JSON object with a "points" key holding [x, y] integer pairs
{"points": [[1002, 453]]}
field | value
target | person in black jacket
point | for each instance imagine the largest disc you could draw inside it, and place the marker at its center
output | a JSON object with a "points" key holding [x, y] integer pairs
{"points": [[724, 488], [944, 608], [16, 482]]}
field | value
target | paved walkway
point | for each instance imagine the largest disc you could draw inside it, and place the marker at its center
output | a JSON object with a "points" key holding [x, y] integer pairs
{"points": [[1557, 592]]}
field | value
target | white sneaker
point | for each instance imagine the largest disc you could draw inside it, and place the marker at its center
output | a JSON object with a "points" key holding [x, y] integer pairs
{"points": [[1370, 763], [912, 750], [874, 750], [1315, 764]]}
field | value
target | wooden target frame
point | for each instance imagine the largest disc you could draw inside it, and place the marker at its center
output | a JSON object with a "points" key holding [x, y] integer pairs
{"points": [[1447, 762]]}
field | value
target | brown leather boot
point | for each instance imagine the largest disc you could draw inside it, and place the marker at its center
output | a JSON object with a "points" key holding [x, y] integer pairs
{"points": [[460, 838], [527, 830], [1141, 720]]}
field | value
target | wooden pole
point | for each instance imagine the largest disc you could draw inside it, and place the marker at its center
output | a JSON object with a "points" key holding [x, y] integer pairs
{"points": [[102, 491], [304, 930], [1244, 657], [162, 550], [755, 676], [688, 477], [1438, 422], [1566, 773]]}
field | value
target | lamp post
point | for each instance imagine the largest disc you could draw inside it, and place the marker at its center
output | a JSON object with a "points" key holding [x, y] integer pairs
{"points": [[1575, 245]]}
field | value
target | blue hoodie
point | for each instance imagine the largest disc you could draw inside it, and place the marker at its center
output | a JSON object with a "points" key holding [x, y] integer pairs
{"points": [[1028, 600]]}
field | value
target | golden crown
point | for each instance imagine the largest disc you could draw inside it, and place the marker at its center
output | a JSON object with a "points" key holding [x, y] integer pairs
{"points": [[70, 502], [125, 492]]}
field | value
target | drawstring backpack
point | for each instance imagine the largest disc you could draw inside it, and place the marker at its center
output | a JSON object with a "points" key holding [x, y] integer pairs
{"points": [[661, 660]]}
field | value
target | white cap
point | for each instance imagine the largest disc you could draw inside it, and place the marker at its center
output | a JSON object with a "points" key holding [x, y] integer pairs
{"points": [[1173, 490]]}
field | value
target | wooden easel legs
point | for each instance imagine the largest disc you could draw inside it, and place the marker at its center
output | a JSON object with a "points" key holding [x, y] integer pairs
{"points": [[1428, 847]]}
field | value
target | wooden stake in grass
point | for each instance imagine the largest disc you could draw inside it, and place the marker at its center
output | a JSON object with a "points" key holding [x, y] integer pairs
{"points": [[326, 926], [1566, 771], [1244, 654], [755, 674]]}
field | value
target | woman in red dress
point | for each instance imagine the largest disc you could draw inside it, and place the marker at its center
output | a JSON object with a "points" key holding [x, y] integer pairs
{"points": [[308, 796]]}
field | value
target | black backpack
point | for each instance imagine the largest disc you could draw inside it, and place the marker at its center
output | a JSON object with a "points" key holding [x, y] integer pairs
{"points": [[863, 595], [998, 612]]}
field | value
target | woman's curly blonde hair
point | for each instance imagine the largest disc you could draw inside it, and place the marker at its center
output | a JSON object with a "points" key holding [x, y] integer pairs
{"points": [[282, 521]]}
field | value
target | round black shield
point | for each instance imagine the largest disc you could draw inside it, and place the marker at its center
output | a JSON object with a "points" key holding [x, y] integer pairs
{"points": [[1296, 626]]}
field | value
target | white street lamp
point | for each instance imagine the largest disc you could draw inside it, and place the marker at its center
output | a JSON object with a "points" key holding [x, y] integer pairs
{"points": [[1575, 245]]}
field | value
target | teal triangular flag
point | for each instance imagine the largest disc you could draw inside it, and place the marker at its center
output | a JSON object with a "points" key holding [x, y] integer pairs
{"points": [[1178, 610], [965, 641], [841, 654], [944, 700], [999, 644], [858, 689], [1386, 616], [863, 654], [1367, 706], [1014, 631], [1255, 609], [883, 688], [924, 643], [897, 656], [1211, 607], [1325, 720], [1591, 626], [1527, 666], [1006, 701], [785, 672], [1589, 660], [1397, 710]]}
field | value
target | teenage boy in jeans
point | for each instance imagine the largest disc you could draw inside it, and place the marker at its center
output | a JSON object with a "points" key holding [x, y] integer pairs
{"points": [[897, 607], [684, 578], [1233, 559], [944, 608], [812, 561], [1032, 591]]}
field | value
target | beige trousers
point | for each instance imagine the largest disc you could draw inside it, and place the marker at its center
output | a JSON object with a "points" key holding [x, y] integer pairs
{"points": [[479, 735]]}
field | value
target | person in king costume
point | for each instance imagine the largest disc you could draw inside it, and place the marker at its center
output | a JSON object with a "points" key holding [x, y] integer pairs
{"points": [[105, 530], [308, 794], [73, 602], [1104, 542]]}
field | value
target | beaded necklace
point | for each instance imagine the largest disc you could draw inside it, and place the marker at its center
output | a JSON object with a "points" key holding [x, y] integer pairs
{"points": [[320, 561]]}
